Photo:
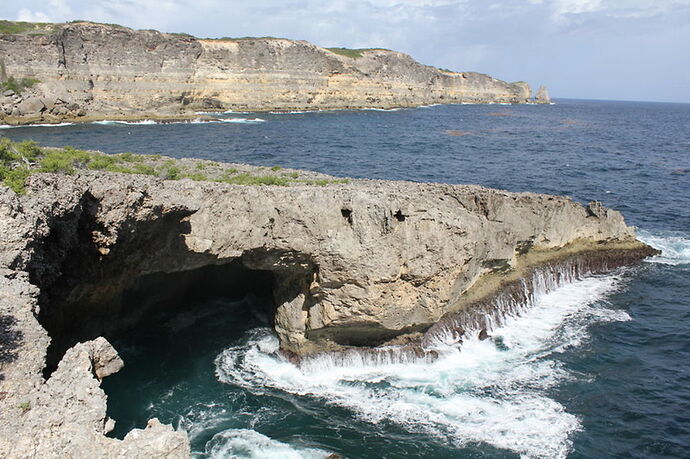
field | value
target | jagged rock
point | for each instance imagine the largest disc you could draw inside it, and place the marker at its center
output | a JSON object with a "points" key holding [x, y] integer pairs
{"points": [[116, 72], [542, 96], [357, 264], [66, 416]]}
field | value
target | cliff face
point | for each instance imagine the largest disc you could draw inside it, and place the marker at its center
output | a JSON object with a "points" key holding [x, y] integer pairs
{"points": [[95, 71], [357, 264]]}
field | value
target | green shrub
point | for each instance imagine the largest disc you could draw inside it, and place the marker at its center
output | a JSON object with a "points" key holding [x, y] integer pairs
{"points": [[248, 179], [353, 53], [196, 176], [36, 28], [18, 86], [102, 163], [15, 179], [276, 168], [130, 157], [172, 173], [144, 169]]}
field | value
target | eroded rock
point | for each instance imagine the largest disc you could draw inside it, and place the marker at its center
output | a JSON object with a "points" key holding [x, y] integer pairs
{"points": [[349, 265], [109, 72]]}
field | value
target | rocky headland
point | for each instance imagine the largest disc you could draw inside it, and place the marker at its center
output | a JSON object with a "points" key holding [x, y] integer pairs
{"points": [[84, 71], [91, 246]]}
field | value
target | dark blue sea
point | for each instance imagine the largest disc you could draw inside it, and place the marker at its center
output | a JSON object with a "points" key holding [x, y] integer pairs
{"points": [[599, 368]]}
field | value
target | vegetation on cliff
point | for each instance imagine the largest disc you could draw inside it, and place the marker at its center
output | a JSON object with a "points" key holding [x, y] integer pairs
{"points": [[352, 53], [18, 160], [33, 28]]}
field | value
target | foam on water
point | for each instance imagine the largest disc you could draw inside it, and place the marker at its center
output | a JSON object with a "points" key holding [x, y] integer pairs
{"points": [[150, 122], [494, 391], [244, 443], [675, 249], [8, 126], [241, 120]]}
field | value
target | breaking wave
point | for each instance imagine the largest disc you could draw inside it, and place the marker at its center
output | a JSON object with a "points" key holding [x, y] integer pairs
{"points": [[241, 120], [245, 443], [9, 126], [493, 391], [675, 249]]}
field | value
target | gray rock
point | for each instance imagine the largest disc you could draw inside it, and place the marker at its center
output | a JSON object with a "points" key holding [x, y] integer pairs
{"points": [[30, 106], [362, 262]]}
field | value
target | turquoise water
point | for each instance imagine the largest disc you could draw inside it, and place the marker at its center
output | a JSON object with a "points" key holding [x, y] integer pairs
{"points": [[597, 368]]}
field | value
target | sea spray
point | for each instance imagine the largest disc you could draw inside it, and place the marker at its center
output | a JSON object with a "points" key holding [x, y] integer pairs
{"points": [[493, 391], [517, 296], [675, 247]]}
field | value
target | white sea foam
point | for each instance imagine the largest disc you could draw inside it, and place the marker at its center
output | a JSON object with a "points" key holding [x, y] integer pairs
{"points": [[241, 120], [374, 109], [675, 249], [293, 112], [243, 443], [8, 126], [112, 122], [152, 122], [493, 391]]}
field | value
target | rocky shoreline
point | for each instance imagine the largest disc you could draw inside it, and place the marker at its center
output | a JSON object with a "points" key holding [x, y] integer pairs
{"points": [[352, 264], [83, 71]]}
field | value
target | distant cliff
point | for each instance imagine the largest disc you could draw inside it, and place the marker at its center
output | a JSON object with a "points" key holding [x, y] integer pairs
{"points": [[86, 71]]}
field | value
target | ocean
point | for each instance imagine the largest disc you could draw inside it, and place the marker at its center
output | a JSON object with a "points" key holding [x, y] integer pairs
{"points": [[597, 368]]}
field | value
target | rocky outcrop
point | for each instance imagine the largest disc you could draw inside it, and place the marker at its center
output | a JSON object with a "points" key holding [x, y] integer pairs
{"points": [[349, 265], [90, 71]]}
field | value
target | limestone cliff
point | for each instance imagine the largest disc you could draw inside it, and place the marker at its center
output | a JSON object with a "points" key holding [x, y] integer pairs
{"points": [[88, 71], [352, 264]]}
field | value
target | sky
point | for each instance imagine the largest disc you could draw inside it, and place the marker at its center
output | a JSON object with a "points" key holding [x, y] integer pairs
{"points": [[584, 49]]}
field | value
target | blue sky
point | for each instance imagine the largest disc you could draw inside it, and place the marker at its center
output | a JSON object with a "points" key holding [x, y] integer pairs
{"points": [[600, 49]]}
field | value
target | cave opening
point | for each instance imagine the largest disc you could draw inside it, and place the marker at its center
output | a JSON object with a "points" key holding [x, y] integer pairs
{"points": [[89, 290], [170, 354]]}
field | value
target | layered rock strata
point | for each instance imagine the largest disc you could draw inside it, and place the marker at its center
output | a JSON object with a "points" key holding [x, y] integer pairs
{"points": [[365, 263], [88, 71]]}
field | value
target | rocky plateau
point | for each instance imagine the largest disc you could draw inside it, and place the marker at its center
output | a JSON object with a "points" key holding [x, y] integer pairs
{"points": [[84, 71]]}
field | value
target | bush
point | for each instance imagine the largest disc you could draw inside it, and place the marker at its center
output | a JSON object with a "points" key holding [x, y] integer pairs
{"points": [[18, 86], [172, 173], [248, 179]]}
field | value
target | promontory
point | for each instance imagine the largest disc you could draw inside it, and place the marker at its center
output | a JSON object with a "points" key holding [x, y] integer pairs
{"points": [[92, 244], [84, 71]]}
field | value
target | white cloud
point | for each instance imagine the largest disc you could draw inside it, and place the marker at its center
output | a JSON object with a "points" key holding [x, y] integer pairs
{"points": [[26, 14]]}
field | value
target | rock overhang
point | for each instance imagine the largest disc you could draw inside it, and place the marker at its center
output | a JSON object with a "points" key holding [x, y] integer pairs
{"points": [[357, 264]]}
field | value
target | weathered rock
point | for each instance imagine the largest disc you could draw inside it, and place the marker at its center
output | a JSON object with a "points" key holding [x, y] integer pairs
{"points": [[357, 264], [66, 416], [115, 72], [30, 106]]}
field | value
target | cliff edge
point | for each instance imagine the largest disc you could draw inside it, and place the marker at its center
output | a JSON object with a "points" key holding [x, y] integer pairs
{"points": [[84, 71], [349, 266]]}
